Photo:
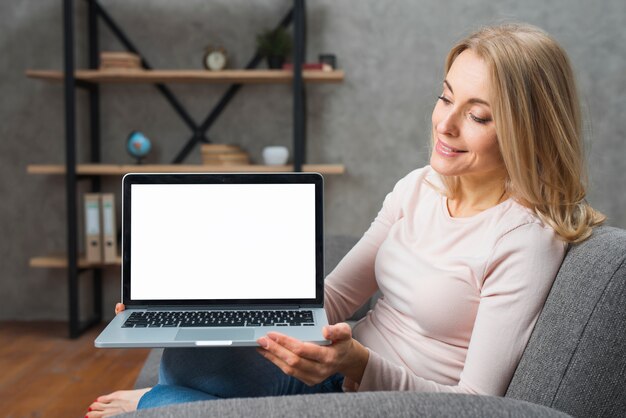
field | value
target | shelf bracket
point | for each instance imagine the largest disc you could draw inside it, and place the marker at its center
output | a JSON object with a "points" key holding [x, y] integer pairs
{"points": [[165, 91], [226, 98], [198, 132]]}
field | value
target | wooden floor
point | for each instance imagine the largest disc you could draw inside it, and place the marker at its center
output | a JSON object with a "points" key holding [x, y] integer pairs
{"points": [[45, 374]]}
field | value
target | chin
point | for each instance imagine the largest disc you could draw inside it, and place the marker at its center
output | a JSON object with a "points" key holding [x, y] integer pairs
{"points": [[442, 167]]}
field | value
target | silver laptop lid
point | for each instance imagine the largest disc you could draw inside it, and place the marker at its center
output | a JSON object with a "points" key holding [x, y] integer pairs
{"points": [[222, 239]]}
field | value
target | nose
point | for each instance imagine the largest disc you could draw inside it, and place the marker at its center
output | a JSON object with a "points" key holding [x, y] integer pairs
{"points": [[448, 123]]}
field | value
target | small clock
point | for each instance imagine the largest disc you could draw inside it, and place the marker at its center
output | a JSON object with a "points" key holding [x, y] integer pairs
{"points": [[215, 58]]}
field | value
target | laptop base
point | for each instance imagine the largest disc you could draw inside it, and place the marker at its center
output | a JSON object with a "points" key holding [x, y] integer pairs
{"points": [[115, 336]]}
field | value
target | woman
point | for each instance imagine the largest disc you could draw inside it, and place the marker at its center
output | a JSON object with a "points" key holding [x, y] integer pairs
{"points": [[464, 250]]}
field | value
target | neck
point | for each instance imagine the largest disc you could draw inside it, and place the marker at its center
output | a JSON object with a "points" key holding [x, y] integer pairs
{"points": [[478, 194]]}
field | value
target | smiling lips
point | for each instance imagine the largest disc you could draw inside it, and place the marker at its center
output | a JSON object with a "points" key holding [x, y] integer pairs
{"points": [[446, 150]]}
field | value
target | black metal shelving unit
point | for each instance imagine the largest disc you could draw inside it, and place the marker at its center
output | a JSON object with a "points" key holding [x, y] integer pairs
{"points": [[96, 13]]}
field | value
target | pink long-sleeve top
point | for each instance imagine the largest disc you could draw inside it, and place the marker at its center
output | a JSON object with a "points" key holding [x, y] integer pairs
{"points": [[460, 295]]}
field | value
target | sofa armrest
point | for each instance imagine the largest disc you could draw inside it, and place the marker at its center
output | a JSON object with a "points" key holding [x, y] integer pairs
{"points": [[388, 404]]}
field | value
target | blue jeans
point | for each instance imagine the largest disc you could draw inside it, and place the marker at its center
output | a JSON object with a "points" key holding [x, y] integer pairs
{"points": [[198, 374]]}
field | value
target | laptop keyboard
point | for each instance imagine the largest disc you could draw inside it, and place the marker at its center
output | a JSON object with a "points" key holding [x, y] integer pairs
{"points": [[158, 319]]}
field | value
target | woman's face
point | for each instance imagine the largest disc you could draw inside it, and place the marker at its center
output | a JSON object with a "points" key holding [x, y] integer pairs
{"points": [[464, 133]]}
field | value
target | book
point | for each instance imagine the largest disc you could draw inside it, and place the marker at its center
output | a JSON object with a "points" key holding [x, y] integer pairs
{"points": [[119, 60], [224, 154], [309, 66], [93, 236], [109, 229]]}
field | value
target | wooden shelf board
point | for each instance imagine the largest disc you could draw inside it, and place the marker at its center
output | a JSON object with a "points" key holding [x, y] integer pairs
{"points": [[114, 170], [60, 261], [191, 76]]}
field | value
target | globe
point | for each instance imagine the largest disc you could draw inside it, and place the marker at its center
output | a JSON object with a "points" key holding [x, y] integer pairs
{"points": [[138, 145]]}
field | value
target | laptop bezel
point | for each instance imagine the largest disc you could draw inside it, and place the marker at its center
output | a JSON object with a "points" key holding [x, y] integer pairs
{"points": [[222, 178]]}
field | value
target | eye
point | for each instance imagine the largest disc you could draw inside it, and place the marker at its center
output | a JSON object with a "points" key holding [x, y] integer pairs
{"points": [[444, 99], [479, 120]]}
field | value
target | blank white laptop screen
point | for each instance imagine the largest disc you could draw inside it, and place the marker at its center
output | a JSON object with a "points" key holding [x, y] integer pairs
{"points": [[222, 241]]}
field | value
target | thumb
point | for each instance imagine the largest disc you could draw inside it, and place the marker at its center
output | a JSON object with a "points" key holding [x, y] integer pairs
{"points": [[341, 331], [119, 308]]}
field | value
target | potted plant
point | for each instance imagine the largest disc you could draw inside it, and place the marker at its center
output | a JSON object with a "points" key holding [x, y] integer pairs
{"points": [[275, 45]]}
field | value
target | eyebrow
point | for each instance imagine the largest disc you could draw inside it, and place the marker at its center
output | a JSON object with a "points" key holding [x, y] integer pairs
{"points": [[472, 100]]}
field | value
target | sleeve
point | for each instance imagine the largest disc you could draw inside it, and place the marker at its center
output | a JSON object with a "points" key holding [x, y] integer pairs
{"points": [[518, 277], [353, 281]]}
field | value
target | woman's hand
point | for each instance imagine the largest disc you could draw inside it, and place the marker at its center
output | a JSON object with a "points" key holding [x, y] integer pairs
{"points": [[119, 307], [312, 363]]}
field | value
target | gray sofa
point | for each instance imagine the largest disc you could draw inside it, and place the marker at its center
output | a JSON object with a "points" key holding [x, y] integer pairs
{"points": [[573, 365]]}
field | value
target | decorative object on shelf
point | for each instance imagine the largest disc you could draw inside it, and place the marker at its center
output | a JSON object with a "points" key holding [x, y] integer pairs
{"points": [[275, 155], [329, 59], [114, 60], [215, 58], [275, 45], [223, 154], [309, 66], [138, 145]]}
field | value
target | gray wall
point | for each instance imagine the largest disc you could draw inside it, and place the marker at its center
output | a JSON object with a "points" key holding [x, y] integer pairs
{"points": [[376, 122]]}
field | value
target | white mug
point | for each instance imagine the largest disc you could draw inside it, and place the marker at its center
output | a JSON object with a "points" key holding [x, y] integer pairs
{"points": [[275, 155]]}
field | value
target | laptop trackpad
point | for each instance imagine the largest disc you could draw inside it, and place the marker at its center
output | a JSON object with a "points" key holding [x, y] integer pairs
{"points": [[215, 334]]}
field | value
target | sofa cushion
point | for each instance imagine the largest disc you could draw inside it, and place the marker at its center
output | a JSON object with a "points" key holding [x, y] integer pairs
{"points": [[575, 360], [372, 404], [149, 374], [335, 248]]}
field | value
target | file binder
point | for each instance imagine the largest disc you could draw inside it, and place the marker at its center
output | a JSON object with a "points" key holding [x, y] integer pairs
{"points": [[93, 237], [109, 230]]}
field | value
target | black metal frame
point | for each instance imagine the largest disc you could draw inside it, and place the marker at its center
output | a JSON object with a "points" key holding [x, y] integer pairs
{"points": [[297, 16]]}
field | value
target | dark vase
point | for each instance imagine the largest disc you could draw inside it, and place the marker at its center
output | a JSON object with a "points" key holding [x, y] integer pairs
{"points": [[275, 62]]}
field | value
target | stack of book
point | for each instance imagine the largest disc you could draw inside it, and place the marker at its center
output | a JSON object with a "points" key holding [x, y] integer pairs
{"points": [[222, 154], [100, 228], [309, 66], [119, 60]]}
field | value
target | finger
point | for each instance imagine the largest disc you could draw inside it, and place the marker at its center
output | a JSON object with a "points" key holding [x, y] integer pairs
{"points": [[305, 350], [337, 332], [119, 307], [288, 357], [306, 377]]}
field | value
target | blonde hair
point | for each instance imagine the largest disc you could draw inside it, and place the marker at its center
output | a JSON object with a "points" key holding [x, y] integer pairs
{"points": [[538, 123]]}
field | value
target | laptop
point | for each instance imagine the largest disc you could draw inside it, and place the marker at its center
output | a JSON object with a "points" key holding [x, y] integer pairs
{"points": [[220, 260]]}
